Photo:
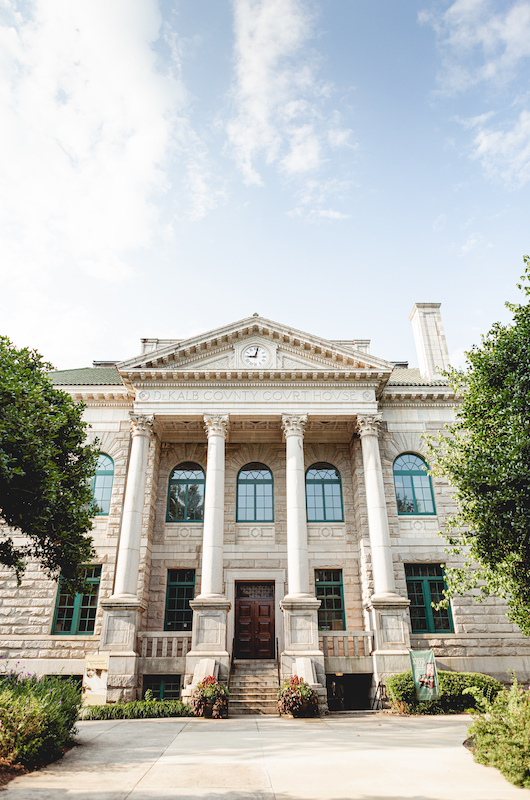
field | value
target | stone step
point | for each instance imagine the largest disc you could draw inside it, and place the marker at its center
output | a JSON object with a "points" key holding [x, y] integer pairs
{"points": [[250, 684], [253, 692], [252, 708]]}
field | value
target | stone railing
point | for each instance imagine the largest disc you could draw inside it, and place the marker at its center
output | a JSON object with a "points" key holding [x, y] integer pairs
{"points": [[340, 644], [164, 644]]}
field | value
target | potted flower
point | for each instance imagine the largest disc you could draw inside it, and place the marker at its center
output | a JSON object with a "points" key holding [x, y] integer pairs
{"points": [[296, 697], [210, 699]]}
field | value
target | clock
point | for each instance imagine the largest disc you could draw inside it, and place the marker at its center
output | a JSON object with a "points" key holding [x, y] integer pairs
{"points": [[255, 356]]}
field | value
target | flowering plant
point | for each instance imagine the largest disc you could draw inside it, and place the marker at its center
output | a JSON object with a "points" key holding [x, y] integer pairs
{"points": [[296, 697], [210, 698]]}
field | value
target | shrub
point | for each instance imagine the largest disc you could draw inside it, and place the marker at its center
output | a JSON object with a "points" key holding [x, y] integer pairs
{"points": [[138, 709], [296, 697], [501, 736], [37, 717], [453, 697], [210, 698]]}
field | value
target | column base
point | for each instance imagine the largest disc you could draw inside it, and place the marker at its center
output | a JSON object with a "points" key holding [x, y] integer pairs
{"points": [[389, 621], [209, 635], [122, 615], [301, 635]]}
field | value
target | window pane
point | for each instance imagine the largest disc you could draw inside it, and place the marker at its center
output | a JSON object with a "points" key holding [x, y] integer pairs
{"points": [[77, 613], [255, 494], [422, 491], [180, 590], [405, 498], [418, 616], [328, 586], [103, 479]]}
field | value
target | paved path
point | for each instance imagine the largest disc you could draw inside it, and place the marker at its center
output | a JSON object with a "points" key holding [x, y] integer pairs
{"points": [[362, 757]]}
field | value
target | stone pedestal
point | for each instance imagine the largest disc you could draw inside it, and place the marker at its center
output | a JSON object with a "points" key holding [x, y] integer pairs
{"points": [[301, 635], [389, 621], [209, 636], [121, 621]]}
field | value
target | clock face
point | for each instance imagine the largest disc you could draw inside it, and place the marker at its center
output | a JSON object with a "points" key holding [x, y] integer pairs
{"points": [[255, 356]]}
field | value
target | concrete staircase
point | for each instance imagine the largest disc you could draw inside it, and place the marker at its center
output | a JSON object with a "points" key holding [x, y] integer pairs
{"points": [[253, 687]]}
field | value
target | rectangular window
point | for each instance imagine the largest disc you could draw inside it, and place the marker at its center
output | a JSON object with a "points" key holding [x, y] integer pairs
{"points": [[180, 590], [328, 586], [425, 585], [77, 613], [163, 687]]}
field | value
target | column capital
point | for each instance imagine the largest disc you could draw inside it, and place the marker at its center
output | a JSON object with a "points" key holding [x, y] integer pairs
{"points": [[216, 425], [368, 424], [142, 424], [293, 424]]}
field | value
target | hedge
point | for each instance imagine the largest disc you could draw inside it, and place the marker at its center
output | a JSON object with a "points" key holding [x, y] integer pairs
{"points": [[501, 736], [402, 693], [138, 709], [37, 717]]}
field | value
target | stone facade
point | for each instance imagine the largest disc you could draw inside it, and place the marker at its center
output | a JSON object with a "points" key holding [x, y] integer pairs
{"points": [[310, 401]]}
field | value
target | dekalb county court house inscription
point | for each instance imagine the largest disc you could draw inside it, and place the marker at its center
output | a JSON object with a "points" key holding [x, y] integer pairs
{"points": [[200, 395]]}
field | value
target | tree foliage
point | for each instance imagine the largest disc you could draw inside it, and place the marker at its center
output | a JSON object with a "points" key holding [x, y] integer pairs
{"points": [[485, 456], [46, 470]]}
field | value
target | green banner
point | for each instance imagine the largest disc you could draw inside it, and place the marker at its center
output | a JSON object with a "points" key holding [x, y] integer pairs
{"points": [[425, 674]]}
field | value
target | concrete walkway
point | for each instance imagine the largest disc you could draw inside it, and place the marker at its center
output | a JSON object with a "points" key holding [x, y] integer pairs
{"points": [[366, 757]]}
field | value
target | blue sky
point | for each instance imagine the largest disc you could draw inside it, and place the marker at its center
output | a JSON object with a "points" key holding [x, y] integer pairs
{"points": [[170, 167]]}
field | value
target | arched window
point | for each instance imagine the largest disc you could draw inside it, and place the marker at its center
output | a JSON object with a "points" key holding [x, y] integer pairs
{"points": [[103, 479], [255, 494], [413, 485], [323, 491], [185, 502]]}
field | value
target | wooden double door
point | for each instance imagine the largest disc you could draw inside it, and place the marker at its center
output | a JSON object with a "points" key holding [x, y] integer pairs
{"points": [[255, 619]]}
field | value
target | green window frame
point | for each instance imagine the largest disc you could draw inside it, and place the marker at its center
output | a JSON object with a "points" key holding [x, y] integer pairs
{"points": [[102, 486], [425, 585], [255, 494], [76, 614], [328, 589], [323, 489], [414, 494], [163, 687], [180, 590], [185, 499]]}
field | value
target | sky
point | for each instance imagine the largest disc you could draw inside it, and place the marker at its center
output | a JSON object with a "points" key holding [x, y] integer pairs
{"points": [[171, 166]]}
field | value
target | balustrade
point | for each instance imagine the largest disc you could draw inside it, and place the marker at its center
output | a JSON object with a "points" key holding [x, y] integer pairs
{"points": [[349, 644], [164, 644]]}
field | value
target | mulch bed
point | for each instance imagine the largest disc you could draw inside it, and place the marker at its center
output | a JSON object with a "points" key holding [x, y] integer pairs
{"points": [[8, 772]]}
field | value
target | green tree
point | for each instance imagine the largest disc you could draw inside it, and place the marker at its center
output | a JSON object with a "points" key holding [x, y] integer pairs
{"points": [[46, 470], [485, 456]]}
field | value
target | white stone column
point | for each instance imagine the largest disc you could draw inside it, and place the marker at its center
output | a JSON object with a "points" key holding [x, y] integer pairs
{"points": [[216, 426], [125, 586], [210, 607], [299, 606], [381, 549], [387, 610], [297, 556]]}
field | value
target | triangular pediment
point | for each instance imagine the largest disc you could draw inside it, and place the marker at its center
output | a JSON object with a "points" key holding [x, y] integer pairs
{"points": [[279, 348]]}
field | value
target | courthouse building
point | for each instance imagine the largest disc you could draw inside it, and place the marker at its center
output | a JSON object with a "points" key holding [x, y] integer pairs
{"points": [[263, 501]]}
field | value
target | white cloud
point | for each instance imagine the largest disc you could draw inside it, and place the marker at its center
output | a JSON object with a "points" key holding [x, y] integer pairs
{"points": [[472, 242], [278, 98], [505, 152], [480, 40], [439, 222], [90, 128]]}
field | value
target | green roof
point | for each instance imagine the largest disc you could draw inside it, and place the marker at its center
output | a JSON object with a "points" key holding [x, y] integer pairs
{"points": [[412, 377], [87, 376]]}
